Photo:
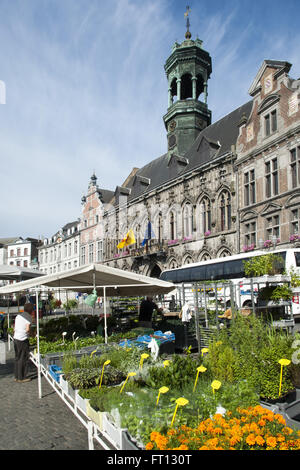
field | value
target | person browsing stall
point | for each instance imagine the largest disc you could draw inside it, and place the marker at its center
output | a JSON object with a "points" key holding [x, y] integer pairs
{"points": [[21, 342], [146, 310]]}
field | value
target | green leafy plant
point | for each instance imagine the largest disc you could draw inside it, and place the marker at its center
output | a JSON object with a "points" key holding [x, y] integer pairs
{"points": [[282, 292], [266, 264], [80, 378], [181, 371], [295, 278]]}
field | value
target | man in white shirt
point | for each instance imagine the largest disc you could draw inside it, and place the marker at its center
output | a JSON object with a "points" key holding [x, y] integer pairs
{"points": [[21, 343]]}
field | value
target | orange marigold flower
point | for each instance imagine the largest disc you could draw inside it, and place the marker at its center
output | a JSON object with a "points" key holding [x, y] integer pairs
{"points": [[279, 418], [154, 435], [201, 427], [234, 440], [287, 430], [250, 439], [259, 440], [149, 446], [271, 441], [218, 431], [262, 422], [204, 448]]}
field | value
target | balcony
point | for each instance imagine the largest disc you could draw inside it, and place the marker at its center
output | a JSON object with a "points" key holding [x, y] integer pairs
{"points": [[152, 248]]}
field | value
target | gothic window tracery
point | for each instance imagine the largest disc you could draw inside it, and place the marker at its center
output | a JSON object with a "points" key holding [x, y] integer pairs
{"points": [[225, 211]]}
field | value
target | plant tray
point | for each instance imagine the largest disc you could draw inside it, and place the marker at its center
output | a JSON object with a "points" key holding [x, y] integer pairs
{"points": [[96, 416], [55, 372], [64, 384], [81, 402], [115, 433]]}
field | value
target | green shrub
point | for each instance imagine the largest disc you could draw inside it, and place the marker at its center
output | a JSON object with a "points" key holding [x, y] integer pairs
{"points": [[221, 361]]}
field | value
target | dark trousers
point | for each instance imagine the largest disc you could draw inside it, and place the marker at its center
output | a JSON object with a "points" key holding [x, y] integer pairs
{"points": [[21, 358]]}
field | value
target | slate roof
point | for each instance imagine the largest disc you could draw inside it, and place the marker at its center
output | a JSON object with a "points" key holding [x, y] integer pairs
{"points": [[215, 140], [8, 240], [106, 195]]}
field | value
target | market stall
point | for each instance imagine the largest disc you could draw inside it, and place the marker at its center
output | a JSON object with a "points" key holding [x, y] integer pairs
{"points": [[105, 280]]}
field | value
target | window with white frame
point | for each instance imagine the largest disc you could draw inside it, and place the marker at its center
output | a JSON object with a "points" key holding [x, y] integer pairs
{"points": [[100, 251], [295, 166], [270, 121], [249, 188], [91, 253], [271, 178], [295, 224], [82, 255], [273, 226], [250, 233]]}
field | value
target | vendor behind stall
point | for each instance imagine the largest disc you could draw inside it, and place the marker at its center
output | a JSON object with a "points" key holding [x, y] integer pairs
{"points": [[146, 310]]}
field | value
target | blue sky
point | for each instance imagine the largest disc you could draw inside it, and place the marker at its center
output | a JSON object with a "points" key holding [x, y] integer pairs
{"points": [[86, 90]]}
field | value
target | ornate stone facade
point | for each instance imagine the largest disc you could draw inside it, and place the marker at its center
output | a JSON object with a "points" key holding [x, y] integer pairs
{"points": [[236, 188]]}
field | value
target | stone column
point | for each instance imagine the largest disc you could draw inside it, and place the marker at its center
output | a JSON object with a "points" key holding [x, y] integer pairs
{"points": [[205, 92], [178, 88], [194, 82], [170, 99]]}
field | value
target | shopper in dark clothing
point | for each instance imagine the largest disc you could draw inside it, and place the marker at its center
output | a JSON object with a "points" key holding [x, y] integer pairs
{"points": [[146, 310]]}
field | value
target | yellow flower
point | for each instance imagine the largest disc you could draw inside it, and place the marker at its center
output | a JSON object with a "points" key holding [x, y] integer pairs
{"points": [[149, 446]]}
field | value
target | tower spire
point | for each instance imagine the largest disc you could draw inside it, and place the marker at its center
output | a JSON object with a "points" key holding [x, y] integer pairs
{"points": [[188, 34]]}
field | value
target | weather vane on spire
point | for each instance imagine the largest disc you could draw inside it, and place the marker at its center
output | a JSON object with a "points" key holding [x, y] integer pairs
{"points": [[186, 14]]}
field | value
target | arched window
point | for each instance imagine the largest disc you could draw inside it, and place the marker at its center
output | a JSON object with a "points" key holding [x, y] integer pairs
{"points": [[204, 257], [188, 260], [187, 220], [173, 264], [205, 215], [200, 86], [224, 253], [174, 89], [186, 86], [225, 211]]}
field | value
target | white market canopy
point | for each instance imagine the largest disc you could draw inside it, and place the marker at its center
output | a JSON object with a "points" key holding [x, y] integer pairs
{"points": [[108, 281], [16, 273]]}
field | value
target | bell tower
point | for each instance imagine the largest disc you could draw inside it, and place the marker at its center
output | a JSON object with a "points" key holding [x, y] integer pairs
{"points": [[188, 69]]}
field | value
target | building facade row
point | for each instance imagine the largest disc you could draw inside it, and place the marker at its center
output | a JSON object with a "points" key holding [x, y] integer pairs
{"points": [[219, 189]]}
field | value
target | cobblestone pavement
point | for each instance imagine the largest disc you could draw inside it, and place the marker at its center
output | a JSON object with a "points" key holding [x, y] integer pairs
{"points": [[32, 423]]}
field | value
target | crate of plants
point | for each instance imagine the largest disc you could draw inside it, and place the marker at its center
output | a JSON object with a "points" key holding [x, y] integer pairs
{"points": [[55, 372]]}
